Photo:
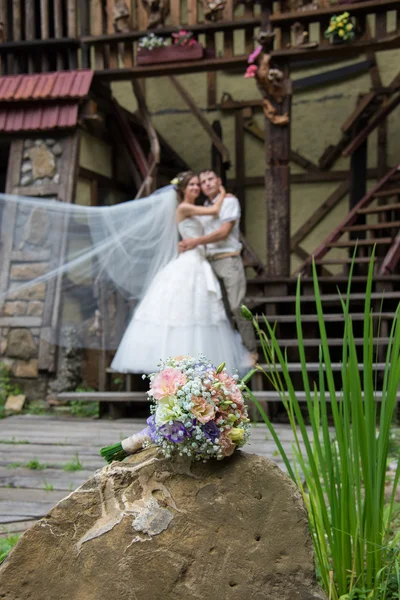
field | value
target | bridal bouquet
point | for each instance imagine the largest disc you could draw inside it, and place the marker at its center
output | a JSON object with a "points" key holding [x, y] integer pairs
{"points": [[197, 411]]}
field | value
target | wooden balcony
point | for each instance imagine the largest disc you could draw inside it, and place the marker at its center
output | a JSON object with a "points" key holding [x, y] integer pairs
{"points": [[55, 35]]}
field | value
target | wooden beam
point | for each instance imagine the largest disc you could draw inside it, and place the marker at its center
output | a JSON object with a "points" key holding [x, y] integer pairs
{"points": [[146, 121], [130, 140], [331, 76], [202, 120], [338, 52], [208, 27], [361, 107], [108, 182], [125, 155], [311, 16], [382, 114], [294, 156], [319, 214], [310, 177]]}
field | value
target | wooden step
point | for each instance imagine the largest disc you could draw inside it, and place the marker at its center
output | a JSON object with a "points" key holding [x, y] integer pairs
{"points": [[314, 342], [369, 242], [333, 317], [272, 396], [295, 367], [373, 226], [103, 396], [334, 279], [324, 298], [387, 192], [263, 395], [378, 209], [347, 261]]}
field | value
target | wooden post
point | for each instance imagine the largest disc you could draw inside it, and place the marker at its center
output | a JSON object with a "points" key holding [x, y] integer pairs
{"points": [[358, 180], [84, 20], [4, 19], [44, 30], [240, 189], [217, 163], [277, 189], [58, 29], [96, 19], [72, 32]]}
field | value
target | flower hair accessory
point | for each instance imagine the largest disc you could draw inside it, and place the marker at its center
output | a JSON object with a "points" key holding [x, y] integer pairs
{"points": [[176, 181], [197, 411]]}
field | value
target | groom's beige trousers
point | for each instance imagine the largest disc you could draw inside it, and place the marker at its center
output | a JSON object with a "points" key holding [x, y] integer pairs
{"points": [[231, 272]]}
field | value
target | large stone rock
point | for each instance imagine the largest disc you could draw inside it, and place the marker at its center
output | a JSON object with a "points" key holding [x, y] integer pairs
{"points": [[43, 161], [21, 344], [162, 530], [15, 309], [28, 271], [36, 292], [27, 369], [37, 227]]}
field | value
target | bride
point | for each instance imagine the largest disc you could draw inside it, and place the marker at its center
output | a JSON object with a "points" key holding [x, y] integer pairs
{"points": [[182, 312]]}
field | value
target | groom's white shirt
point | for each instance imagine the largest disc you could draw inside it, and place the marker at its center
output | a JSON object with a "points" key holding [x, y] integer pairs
{"points": [[230, 211]]}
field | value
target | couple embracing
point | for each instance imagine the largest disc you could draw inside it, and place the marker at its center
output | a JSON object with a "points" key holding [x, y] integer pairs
{"points": [[183, 310]]}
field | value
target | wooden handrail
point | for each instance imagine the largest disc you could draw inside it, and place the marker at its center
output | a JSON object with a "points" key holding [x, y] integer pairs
{"points": [[392, 258], [348, 220]]}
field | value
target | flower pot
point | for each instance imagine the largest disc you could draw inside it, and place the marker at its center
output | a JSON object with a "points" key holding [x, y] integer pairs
{"points": [[168, 54]]}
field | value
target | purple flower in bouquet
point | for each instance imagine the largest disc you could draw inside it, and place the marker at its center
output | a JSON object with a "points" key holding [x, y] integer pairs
{"points": [[175, 432], [211, 431]]}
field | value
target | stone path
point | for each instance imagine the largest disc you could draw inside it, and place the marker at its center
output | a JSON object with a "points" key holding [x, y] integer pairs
{"points": [[56, 445]]}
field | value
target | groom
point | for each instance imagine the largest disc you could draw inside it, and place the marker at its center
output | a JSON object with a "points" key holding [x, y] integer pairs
{"points": [[223, 251]]}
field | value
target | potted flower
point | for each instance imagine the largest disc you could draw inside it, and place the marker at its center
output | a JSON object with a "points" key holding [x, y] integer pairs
{"points": [[153, 49], [341, 29]]}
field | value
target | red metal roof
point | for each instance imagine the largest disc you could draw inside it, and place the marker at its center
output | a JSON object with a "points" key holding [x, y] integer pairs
{"points": [[45, 86], [35, 118], [42, 101]]}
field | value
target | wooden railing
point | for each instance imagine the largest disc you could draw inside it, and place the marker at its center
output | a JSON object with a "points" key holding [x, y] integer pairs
{"points": [[48, 35], [372, 19]]}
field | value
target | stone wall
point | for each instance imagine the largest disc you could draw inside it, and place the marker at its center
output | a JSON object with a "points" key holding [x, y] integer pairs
{"points": [[39, 167]]}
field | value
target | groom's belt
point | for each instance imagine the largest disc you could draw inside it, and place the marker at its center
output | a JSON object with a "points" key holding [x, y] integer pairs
{"points": [[213, 257]]}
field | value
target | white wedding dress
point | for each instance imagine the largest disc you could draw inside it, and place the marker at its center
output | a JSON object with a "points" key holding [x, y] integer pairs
{"points": [[182, 313]]}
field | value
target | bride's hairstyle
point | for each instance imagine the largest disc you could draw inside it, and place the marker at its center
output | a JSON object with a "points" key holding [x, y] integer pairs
{"points": [[181, 182]]}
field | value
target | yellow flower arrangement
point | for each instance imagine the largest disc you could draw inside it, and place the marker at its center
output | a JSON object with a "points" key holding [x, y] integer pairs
{"points": [[340, 26]]}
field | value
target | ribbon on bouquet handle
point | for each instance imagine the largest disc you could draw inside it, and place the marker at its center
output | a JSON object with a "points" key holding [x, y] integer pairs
{"points": [[135, 442]]}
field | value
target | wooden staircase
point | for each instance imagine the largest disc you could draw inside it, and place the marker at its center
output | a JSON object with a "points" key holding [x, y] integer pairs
{"points": [[374, 221], [377, 219]]}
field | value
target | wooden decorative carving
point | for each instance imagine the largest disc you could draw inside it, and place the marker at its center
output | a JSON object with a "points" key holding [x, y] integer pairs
{"points": [[266, 39], [122, 17], [300, 37], [272, 83], [213, 9], [157, 11]]}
